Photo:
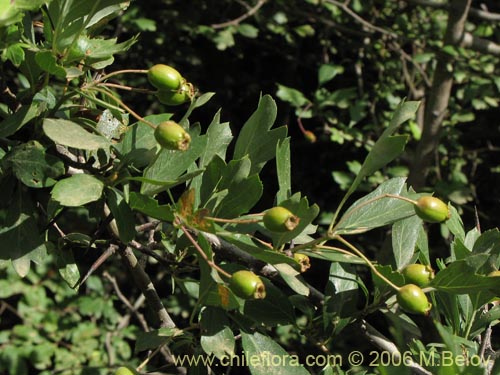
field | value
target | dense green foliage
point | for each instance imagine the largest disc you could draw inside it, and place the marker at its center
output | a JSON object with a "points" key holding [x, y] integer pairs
{"points": [[126, 243]]}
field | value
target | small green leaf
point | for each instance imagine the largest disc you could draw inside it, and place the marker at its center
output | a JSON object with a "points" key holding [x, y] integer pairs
{"points": [[327, 72], [292, 96], [122, 214], [77, 190], [68, 133]]}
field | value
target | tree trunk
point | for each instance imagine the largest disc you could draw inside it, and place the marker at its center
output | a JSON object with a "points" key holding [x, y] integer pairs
{"points": [[438, 97]]}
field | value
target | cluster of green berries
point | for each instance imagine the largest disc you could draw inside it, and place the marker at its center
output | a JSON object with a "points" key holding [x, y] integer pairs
{"points": [[173, 89], [411, 297]]}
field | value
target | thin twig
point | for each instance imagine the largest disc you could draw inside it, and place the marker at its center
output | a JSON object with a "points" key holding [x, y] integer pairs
{"points": [[360, 19], [126, 302], [385, 344], [202, 253], [243, 17]]}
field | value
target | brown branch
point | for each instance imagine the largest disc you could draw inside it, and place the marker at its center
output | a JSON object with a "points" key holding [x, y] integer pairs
{"points": [[480, 45], [474, 12], [439, 95], [243, 17], [146, 286]]}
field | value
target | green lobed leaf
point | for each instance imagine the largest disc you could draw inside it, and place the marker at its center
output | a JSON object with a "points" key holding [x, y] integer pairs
{"points": [[375, 210], [68, 133], [283, 170], [404, 239], [122, 214], [386, 148], [256, 139], [241, 190], [262, 352], [241, 197], [460, 278], [219, 137], [77, 190], [33, 167]]}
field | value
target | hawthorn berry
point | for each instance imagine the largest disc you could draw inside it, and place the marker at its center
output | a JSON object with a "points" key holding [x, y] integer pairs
{"points": [[432, 209], [303, 260], [280, 219], [247, 285], [176, 97], [164, 77], [172, 136], [413, 300], [418, 274]]}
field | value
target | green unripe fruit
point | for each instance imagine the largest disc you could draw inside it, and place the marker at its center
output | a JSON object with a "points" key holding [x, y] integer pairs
{"points": [[247, 285], [432, 210], [164, 77], [176, 97], [413, 300], [124, 371], [303, 260], [280, 219], [418, 274], [172, 136]]}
